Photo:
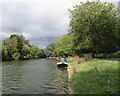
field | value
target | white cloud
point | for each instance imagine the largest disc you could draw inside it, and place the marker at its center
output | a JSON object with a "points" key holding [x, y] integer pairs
{"points": [[4, 34], [37, 19], [27, 35]]}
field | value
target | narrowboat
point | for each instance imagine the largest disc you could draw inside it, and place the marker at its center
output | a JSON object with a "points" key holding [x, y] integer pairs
{"points": [[63, 63]]}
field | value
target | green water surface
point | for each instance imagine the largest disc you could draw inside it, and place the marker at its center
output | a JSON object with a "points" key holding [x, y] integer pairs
{"points": [[39, 76]]}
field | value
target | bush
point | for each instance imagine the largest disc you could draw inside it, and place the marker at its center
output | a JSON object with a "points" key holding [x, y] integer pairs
{"points": [[87, 57], [16, 56], [106, 55], [81, 54], [76, 57], [102, 55]]}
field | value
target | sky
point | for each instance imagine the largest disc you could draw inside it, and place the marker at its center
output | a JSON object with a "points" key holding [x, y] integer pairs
{"points": [[40, 21]]}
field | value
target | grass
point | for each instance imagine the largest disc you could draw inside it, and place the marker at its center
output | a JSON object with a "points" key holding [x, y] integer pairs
{"points": [[108, 58], [94, 77]]}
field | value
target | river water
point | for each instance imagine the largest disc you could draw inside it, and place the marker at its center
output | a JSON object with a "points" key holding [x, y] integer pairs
{"points": [[39, 76]]}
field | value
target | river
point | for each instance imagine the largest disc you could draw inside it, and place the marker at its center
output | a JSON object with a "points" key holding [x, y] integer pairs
{"points": [[38, 76]]}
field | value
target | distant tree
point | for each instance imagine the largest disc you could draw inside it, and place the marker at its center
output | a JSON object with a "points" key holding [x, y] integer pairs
{"points": [[5, 55], [26, 52], [16, 47], [94, 26], [36, 52], [43, 55], [16, 56], [20, 41], [49, 49], [9, 47], [26, 42], [64, 46]]}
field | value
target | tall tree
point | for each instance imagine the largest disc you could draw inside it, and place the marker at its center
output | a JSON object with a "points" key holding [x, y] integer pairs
{"points": [[94, 26], [9, 48], [20, 41]]}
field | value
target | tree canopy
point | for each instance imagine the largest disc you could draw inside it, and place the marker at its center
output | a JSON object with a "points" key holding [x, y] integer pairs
{"points": [[63, 46], [94, 27], [49, 49], [16, 47]]}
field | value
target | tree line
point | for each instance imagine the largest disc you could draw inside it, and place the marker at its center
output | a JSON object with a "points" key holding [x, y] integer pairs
{"points": [[93, 28], [16, 47]]}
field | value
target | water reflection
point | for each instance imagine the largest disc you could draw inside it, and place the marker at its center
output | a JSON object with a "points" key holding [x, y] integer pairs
{"points": [[11, 76], [60, 82], [34, 77]]}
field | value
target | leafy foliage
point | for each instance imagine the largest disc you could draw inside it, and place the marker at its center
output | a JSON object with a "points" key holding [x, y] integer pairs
{"points": [[36, 52], [116, 55], [94, 26], [16, 47], [49, 49], [63, 46]]}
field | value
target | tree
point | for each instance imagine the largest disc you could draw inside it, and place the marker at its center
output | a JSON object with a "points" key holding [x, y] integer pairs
{"points": [[26, 52], [36, 52], [5, 55], [94, 27], [16, 47], [9, 47], [64, 46], [20, 41], [43, 54], [49, 49], [16, 56], [27, 42]]}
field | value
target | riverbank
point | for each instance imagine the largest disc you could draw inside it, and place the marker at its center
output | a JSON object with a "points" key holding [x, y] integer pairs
{"points": [[93, 77]]}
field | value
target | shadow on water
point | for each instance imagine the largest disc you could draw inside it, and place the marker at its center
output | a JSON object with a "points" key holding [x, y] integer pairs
{"points": [[62, 79], [58, 84]]}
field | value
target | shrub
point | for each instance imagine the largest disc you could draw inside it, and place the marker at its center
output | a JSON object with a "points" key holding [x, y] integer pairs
{"points": [[87, 57], [69, 59], [99, 55], [16, 56]]}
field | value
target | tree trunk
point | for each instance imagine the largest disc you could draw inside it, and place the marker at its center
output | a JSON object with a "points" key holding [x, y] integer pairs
{"points": [[93, 54]]}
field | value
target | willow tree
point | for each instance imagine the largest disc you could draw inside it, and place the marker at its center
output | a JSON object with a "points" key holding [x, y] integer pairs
{"points": [[94, 26]]}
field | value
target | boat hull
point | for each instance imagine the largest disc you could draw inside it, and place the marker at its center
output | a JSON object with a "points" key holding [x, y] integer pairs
{"points": [[62, 64]]}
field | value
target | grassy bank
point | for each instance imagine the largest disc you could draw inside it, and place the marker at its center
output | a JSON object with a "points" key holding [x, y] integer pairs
{"points": [[118, 59], [93, 77]]}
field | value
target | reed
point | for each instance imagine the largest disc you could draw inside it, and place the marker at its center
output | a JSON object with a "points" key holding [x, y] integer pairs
{"points": [[87, 57]]}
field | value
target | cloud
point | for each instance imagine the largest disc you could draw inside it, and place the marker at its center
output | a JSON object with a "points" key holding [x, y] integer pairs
{"points": [[36, 21], [4, 34], [27, 35], [41, 21]]}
